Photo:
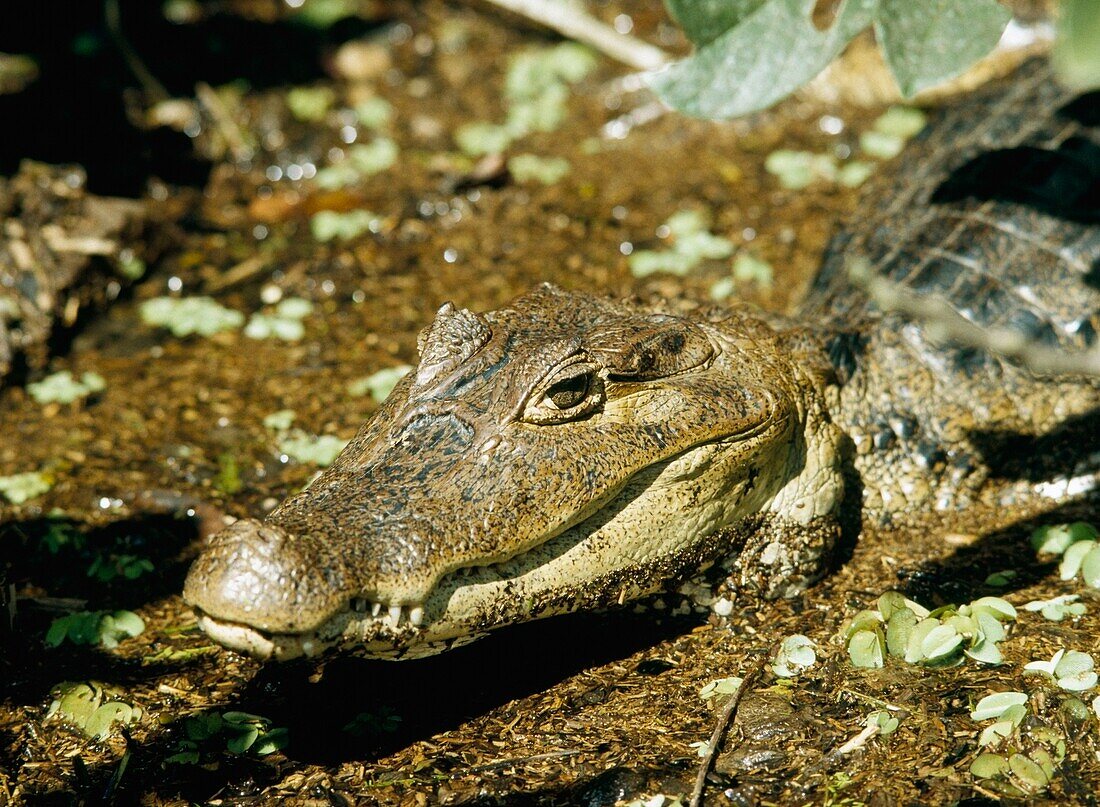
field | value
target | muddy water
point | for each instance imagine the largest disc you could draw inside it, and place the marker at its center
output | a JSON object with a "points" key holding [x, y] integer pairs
{"points": [[578, 710]]}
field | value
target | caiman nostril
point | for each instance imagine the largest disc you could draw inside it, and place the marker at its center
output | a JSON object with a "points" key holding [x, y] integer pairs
{"points": [[257, 573]]}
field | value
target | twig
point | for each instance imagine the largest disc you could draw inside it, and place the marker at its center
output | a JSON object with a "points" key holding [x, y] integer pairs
{"points": [[724, 719], [574, 23], [500, 763], [227, 127], [944, 323], [858, 741], [153, 88]]}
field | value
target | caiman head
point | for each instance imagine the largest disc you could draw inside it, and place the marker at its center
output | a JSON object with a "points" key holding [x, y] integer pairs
{"points": [[561, 453]]}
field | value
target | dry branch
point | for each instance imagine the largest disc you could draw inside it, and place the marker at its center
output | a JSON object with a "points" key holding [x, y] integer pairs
{"points": [[946, 324], [575, 23]]}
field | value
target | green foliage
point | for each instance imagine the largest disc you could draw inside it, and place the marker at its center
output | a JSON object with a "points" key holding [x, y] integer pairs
{"points": [[764, 57], [361, 160], [91, 707], [536, 88], [19, 488], [310, 104], [691, 245], [928, 43], [63, 388], [751, 53], [185, 316], [379, 384], [311, 449], [108, 567], [905, 630], [228, 479], [1071, 670], [328, 225], [1077, 52], [532, 168], [283, 322], [238, 732], [1079, 546], [722, 686], [1058, 608], [382, 721], [796, 653], [103, 628]]}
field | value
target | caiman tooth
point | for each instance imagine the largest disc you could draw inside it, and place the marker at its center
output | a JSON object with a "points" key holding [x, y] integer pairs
{"points": [[358, 604], [395, 615], [416, 615], [375, 608]]}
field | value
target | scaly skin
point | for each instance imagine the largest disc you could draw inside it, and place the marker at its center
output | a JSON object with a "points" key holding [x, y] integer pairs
{"points": [[571, 453]]}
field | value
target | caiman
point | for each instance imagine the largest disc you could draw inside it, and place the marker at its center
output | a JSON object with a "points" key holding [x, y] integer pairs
{"points": [[567, 452]]}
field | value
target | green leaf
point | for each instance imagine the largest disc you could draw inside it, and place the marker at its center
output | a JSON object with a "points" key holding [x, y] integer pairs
{"points": [[99, 724], [1077, 50], [940, 642], [243, 740], [898, 629], [769, 54], [864, 620], [202, 726], [1028, 772], [927, 43], [1090, 568], [704, 20], [59, 628], [999, 608], [986, 652], [271, 741], [1073, 557], [865, 649], [997, 704], [986, 766], [913, 651]]}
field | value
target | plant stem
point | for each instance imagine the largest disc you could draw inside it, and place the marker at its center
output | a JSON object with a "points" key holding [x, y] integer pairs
{"points": [[574, 23]]}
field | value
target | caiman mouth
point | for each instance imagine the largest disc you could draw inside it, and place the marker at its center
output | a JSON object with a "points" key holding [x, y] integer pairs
{"points": [[388, 631], [423, 628]]}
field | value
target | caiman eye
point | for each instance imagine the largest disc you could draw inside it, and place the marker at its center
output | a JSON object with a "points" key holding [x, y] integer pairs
{"points": [[569, 393]]}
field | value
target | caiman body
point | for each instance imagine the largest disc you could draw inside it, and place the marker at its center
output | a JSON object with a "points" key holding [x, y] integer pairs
{"points": [[569, 452]]}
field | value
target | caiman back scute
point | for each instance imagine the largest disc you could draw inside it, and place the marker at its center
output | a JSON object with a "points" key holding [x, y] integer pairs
{"points": [[996, 209]]}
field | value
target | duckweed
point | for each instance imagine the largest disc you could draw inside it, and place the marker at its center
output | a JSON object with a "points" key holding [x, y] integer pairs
{"points": [[796, 653], [796, 170], [374, 113], [284, 322], [187, 316], [237, 732], [103, 628], [722, 686], [1054, 539], [1058, 608], [20, 488], [692, 244], [319, 450], [907, 630], [380, 384], [328, 225], [1071, 670], [536, 88], [91, 708], [532, 168], [63, 388], [279, 421], [310, 104]]}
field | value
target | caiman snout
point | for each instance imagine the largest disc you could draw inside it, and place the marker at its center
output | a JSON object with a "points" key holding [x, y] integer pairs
{"points": [[258, 574]]}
